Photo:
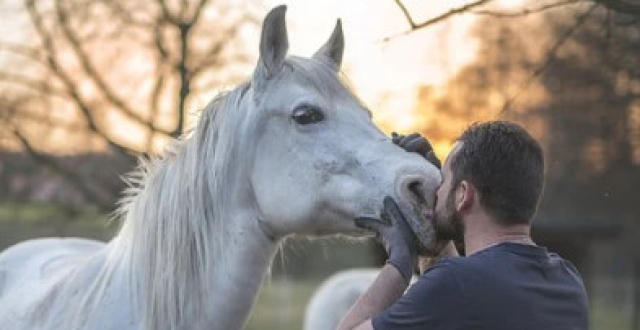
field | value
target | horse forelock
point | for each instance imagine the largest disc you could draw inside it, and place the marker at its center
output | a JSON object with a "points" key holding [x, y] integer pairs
{"points": [[319, 75]]}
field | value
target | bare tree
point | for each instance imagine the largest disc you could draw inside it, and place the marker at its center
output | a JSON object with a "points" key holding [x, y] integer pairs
{"points": [[116, 75], [578, 86], [478, 7], [139, 61], [626, 13]]}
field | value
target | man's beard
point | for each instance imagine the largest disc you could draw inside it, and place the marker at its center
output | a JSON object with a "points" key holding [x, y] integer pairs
{"points": [[448, 224]]}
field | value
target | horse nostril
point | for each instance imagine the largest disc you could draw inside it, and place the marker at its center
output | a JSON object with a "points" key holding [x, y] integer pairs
{"points": [[417, 190], [412, 190]]}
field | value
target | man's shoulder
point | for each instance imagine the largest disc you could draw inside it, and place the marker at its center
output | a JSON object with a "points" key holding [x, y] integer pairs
{"points": [[507, 264], [493, 261], [448, 269], [458, 265]]}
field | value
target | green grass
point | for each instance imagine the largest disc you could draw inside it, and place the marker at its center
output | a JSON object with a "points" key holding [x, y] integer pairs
{"points": [[281, 302], [20, 221], [281, 305], [38, 213], [605, 317]]}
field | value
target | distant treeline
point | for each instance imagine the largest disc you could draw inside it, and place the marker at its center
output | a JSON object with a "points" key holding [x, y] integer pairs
{"points": [[24, 179]]}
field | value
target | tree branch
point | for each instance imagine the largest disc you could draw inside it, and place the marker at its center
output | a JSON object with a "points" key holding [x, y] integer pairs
{"points": [[35, 85], [125, 15], [93, 74], [416, 26], [211, 55], [621, 6], [199, 10], [526, 11], [39, 119], [155, 104], [184, 76], [69, 175], [406, 13], [31, 53], [550, 57], [57, 69], [166, 14]]}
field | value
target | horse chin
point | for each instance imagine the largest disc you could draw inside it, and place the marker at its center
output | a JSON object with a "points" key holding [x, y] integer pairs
{"points": [[343, 227], [419, 215], [349, 233]]}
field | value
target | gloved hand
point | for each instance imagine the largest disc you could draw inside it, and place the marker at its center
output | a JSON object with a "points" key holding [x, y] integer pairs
{"points": [[396, 236], [416, 143]]}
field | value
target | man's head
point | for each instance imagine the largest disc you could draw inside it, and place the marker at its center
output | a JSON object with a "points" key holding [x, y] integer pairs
{"points": [[496, 166]]}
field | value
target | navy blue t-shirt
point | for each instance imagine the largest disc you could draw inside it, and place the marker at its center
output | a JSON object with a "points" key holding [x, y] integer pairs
{"points": [[504, 287]]}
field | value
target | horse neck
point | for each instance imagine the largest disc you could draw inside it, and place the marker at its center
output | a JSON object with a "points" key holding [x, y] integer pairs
{"points": [[237, 280], [192, 266]]}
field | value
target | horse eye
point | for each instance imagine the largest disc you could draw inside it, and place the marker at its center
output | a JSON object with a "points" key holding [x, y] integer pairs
{"points": [[307, 114]]}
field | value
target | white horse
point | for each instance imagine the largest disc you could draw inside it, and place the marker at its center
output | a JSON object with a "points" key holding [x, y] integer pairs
{"points": [[331, 301], [336, 295], [291, 151]]}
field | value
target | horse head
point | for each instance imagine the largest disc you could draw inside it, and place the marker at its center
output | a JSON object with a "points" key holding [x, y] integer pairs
{"points": [[319, 161]]}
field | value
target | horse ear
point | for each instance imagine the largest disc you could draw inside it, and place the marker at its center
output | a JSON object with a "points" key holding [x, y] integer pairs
{"points": [[333, 48], [274, 44]]}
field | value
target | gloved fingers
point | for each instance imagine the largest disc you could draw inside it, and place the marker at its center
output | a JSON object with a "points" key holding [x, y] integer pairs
{"points": [[392, 210], [415, 142], [419, 145], [408, 138], [396, 138], [433, 159], [399, 220]]}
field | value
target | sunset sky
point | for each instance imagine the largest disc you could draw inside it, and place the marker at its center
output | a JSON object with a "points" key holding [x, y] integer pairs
{"points": [[386, 74]]}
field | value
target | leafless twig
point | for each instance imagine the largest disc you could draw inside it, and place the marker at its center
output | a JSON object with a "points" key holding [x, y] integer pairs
{"points": [[526, 11], [549, 58], [416, 26]]}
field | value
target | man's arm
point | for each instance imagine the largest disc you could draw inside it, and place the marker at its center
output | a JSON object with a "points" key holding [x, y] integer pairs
{"points": [[401, 246], [385, 290]]}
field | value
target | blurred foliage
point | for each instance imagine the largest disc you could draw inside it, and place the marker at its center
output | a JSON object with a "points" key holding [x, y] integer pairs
{"points": [[572, 78], [113, 76], [281, 305]]}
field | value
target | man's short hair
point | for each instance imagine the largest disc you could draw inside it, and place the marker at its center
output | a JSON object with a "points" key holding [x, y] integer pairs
{"points": [[506, 166]]}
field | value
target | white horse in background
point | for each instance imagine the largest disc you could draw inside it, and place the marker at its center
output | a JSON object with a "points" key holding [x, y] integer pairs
{"points": [[291, 151], [336, 295], [331, 301]]}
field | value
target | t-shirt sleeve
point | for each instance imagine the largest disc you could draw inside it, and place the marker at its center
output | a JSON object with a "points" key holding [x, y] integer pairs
{"points": [[434, 302]]}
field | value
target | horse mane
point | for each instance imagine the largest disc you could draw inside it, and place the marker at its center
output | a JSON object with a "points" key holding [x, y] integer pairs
{"points": [[174, 214], [173, 228]]}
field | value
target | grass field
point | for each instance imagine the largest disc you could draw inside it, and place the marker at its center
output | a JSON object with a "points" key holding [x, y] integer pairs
{"points": [[282, 300], [281, 305]]}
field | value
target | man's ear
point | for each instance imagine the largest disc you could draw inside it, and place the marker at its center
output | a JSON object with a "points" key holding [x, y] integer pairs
{"points": [[466, 196]]}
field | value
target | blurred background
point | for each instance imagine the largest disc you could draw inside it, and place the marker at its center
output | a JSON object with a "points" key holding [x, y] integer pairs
{"points": [[87, 86]]}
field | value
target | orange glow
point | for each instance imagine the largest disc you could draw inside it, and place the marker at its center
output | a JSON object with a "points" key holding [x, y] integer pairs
{"points": [[388, 75], [510, 3]]}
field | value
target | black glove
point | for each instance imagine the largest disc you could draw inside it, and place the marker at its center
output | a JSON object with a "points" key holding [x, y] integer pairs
{"points": [[416, 143], [396, 236]]}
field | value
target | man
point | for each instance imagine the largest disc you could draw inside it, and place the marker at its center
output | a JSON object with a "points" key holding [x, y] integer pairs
{"points": [[491, 184]]}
